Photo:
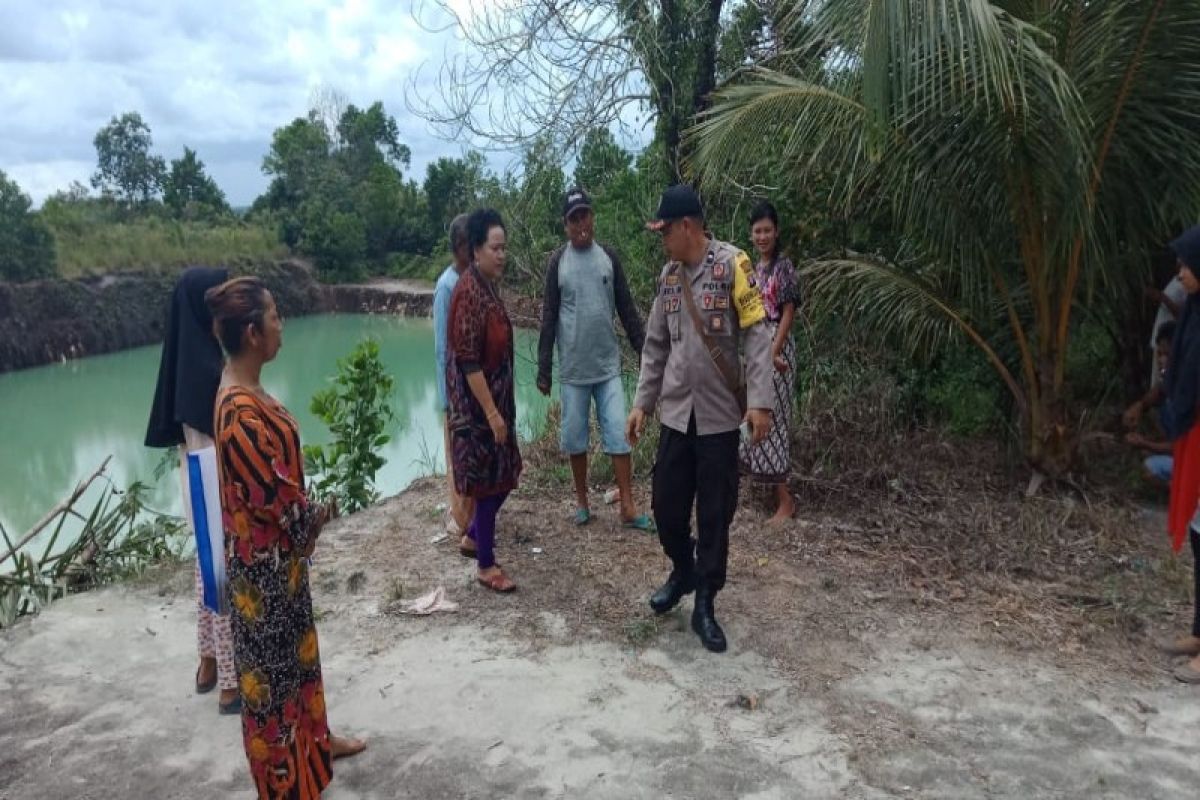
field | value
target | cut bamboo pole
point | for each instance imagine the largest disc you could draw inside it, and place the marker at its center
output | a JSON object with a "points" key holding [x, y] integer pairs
{"points": [[66, 505]]}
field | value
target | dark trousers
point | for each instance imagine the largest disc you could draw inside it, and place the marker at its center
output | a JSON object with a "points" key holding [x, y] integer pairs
{"points": [[699, 470], [1195, 539]]}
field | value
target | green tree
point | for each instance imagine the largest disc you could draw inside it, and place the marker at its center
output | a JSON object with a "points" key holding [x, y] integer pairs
{"points": [[339, 195], [367, 137], [26, 245], [534, 215], [190, 192], [357, 410], [337, 239], [299, 152], [601, 161], [453, 186], [1023, 152], [126, 169]]}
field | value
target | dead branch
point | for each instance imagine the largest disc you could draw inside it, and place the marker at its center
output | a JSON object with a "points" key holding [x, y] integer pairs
{"points": [[63, 507]]}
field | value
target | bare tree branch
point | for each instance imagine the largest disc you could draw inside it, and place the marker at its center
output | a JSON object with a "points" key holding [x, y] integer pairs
{"points": [[552, 70]]}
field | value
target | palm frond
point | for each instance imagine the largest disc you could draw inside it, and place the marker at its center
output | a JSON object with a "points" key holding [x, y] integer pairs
{"points": [[908, 307]]}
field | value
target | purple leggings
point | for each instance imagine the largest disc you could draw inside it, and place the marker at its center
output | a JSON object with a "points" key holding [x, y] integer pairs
{"points": [[482, 529]]}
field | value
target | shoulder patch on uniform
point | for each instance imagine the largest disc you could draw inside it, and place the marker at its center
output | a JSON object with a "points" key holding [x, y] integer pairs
{"points": [[743, 263], [746, 299]]}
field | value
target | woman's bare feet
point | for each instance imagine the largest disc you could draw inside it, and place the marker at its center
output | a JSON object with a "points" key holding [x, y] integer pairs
{"points": [[341, 747], [1182, 646], [786, 509]]}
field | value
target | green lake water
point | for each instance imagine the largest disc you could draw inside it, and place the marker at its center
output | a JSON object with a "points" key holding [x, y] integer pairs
{"points": [[57, 423]]}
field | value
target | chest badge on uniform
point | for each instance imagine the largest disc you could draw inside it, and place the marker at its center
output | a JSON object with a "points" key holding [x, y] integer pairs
{"points": [[716, 323], [721, 302], [720, 271], [671, 305], [708, 301], [672, 280]]}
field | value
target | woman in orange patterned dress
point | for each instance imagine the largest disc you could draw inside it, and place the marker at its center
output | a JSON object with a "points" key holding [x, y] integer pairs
{"points": [[270, 531]]}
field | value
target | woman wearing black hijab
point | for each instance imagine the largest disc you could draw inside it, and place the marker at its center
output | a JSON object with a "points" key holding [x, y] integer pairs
{"points": [[182, 415], [1181, 398]]}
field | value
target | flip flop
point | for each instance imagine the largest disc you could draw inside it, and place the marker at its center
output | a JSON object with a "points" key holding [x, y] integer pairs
{"points": [[582, 516], [639, 523], [234, 706], [498, 582], [1185, 674]]}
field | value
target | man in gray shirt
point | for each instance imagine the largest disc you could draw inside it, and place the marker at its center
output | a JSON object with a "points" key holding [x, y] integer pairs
{"points": [[585, 287]]}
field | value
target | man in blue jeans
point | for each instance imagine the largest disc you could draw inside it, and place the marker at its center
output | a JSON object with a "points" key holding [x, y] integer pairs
{"points": [[460, 508], [585, 287]]}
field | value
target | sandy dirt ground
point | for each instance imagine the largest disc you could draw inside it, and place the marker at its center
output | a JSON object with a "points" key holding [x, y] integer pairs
{"points": [[834, 686]]}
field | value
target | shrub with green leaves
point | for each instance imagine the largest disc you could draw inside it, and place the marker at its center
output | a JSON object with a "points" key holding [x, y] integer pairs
{"points": [[357, 411]]}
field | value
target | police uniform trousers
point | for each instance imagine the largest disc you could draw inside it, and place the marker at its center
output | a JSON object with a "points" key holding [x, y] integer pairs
{"points": [[701, 471]]}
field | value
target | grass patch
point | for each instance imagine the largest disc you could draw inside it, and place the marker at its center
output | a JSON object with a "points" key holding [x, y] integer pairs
{"points": [[86, 249], [642, 632], [395, 591]]}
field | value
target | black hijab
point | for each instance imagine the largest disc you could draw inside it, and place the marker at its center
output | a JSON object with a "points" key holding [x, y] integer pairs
{"points": [[1181, 383], [190, 371]]}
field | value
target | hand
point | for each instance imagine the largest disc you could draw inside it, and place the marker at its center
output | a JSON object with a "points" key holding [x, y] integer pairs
{"points": [[543, 386], [1132, 414], [1135, 439], [499, 427], [325, 512], [760, 424], [781, 364], [635, 425]]}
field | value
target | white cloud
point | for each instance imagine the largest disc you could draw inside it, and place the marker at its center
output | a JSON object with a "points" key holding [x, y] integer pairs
{"points": [[218, 77]]}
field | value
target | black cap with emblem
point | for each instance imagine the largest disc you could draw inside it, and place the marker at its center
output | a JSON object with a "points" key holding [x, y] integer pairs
{"points": [[575, 199], [677, 202]]}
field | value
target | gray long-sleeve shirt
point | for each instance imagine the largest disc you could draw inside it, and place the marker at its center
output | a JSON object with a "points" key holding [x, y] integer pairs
{"points": [[583, 289], [678, 375]]}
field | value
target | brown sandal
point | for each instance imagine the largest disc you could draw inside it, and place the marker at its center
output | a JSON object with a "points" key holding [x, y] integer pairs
{"points": [[207, 686], [498, 582]]}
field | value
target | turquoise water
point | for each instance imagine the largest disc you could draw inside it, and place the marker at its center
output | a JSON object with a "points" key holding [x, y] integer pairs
{"points": [[59, 422]]}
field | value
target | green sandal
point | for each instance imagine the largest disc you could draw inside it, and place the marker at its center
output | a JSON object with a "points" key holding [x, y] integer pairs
{"points": [[640, 523], [582, 516]]}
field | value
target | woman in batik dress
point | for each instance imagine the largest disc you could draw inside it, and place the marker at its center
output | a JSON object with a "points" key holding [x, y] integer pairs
{"points": [[480, 388], [270, 531], [770, 462]]}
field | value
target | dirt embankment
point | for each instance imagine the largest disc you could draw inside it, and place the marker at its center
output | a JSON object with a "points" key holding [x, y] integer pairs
{"points": [[53, 320]]}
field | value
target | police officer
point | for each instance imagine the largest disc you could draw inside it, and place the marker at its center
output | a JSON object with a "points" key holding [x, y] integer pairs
{"points": [[706, 303]]}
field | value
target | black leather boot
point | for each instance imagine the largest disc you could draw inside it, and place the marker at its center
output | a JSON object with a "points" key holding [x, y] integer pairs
{"points": [[704, 623], [679, 583]]}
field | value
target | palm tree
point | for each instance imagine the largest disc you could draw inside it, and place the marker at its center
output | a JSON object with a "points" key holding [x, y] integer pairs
{"points": [[1025, 151]]}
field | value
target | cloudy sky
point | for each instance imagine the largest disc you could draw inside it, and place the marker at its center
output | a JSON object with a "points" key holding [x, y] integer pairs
{"points": [[218, 76]]}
